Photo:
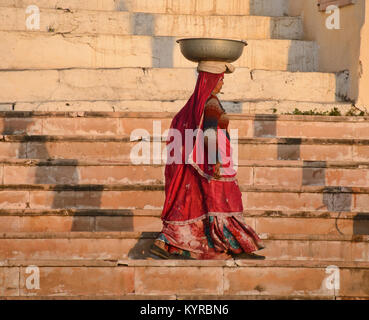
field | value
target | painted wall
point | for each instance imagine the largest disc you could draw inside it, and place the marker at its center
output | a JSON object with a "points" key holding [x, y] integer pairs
{"points": [[339, 49]]}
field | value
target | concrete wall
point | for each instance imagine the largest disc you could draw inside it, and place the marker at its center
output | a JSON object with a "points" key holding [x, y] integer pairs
{"points": [[339, 49]]}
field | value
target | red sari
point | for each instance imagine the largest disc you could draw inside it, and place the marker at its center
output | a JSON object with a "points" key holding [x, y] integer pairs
{"points": [[202, 215]]}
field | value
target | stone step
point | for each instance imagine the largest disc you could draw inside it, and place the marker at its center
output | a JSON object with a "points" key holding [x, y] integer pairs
{"points": [[120, 220], [124, 123], [181, 297], [186, 278], [125, 23], [193, 7], [284, 173], [54, 51], [166, 84], [119, 147], [136, 245], [87, 196], [251, 107]]}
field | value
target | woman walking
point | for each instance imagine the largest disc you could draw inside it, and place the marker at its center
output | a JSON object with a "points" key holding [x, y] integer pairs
{"points": [[202, 213]]}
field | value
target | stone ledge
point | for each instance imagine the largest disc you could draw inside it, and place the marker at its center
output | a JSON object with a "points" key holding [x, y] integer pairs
{"points": [[187, 297], [169, 115], [272, 214], [79, 235], [185, 263], [183, 278], [81, 212], [99, 297], [159, 24], [160, 187], [106, 51], [244, 107], [256, 297], [131, 84], [153, 235], [242, 163], [162, 139], [218, 7]]}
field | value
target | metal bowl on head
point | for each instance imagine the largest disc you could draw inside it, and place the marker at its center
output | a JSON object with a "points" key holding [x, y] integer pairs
{"points": [[209, 49]]}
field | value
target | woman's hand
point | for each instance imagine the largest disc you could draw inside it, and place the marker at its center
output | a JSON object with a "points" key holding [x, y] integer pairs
{"points": [[217, 170]]}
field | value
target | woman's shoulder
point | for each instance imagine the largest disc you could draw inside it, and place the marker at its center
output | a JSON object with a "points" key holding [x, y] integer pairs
{"points": [[213, 100], [213, 103]]}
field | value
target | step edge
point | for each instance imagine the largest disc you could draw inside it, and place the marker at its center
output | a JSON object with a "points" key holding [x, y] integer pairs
{"points": [[141, 235], [44, 115], [329, 164], [162, 139], [264, 214], [160, 187], [184, 263]]}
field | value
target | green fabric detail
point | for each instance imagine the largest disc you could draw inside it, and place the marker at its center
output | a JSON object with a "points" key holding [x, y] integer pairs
{"points": [[186, 253], [162, 237], [207, 233], [231, 239]]}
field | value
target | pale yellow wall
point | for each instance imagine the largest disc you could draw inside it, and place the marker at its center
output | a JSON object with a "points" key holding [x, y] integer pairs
{"points": [[363, 100], [338, 49]]}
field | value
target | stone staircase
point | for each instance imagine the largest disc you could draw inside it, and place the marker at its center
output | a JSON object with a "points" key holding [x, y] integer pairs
{"points": [[72, 202]]}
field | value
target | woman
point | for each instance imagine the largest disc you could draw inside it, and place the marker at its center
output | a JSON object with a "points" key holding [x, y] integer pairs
{"points": [[202, 213]]}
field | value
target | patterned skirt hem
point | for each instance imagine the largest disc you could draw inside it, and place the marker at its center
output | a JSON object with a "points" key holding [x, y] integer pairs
{"points": [[214, 237]]}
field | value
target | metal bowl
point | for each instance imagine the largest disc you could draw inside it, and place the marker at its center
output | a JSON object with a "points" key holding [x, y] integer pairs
{"points": [[205, 49]]}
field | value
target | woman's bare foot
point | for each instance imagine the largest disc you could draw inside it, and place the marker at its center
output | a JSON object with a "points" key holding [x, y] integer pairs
{"points": [[158, 249]]}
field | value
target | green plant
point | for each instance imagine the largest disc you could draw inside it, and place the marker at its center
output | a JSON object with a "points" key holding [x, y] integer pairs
{"points": [[354, 111], [333, 112]]}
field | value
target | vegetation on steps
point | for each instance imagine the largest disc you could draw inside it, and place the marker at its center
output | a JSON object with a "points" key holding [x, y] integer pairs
{"points": [[354, 111]]}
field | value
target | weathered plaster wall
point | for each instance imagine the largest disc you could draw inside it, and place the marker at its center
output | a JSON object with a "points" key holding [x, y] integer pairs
{"points": [[338, 49], [363, 97]]}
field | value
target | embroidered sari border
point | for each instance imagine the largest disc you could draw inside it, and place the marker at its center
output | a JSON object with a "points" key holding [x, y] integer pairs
{"points": [[204, 216]]}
